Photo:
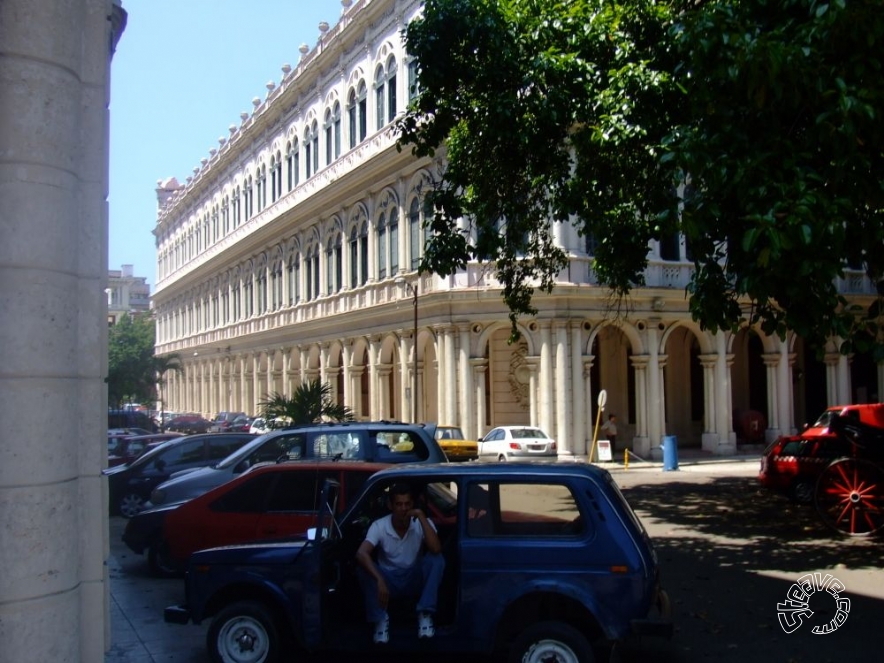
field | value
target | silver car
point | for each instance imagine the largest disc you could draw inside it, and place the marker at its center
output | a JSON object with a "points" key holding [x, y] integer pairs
{"points": [[517, 442]]}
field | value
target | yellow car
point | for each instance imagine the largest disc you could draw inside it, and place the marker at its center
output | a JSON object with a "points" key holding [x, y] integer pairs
{"points": [[452, 441]]}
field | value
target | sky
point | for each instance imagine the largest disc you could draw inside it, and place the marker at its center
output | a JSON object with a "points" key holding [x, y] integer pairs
{"points": [[183, 72]]}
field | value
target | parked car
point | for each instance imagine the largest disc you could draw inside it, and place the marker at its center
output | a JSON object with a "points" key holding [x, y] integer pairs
{"points": [[189, 424], [543, 562], [129, 486], [380, 442], [241, 424], [267, 502], [260, 425], [517, 442], [131, 419], [791, 464], [454, 443], [223, 421], [124, 449]]}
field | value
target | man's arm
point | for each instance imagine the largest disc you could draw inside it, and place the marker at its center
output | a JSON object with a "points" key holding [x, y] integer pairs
{"points": [[431, 538]]}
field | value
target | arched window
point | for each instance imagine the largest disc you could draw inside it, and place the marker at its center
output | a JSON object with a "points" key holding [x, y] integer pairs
{"points": [[393, 225], [314, 131], [289, 166], [336, 126], [382, 247], [380, 95], [362, 101], [294, 271], [329, 138], [363, 253], [414, 228], [276, 177], [308, 152], [261, 187], [237, 208], [276, 285], [412, 79], [354, 257], [225, 216], [248, 195], [391, 89], [352, 118], [333, 266]]}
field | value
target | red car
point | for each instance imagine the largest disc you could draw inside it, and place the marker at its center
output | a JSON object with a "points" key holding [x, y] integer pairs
{"points": [[792, 463], [272, 501], [123, 449]]}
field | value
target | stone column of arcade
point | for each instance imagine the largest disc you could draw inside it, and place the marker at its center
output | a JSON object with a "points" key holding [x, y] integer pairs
{"points": [[54, 91]]}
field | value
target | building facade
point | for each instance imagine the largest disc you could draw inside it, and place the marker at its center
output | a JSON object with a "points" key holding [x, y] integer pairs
{"points": [[54, 94], [292, 251], [126, 294]]}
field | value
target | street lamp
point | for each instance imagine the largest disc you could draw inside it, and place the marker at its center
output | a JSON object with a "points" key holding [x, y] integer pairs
{"points": [[412, 290]]}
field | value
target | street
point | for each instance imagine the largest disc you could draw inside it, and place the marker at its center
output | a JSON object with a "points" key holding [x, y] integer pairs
{"points": [[728, 550]]}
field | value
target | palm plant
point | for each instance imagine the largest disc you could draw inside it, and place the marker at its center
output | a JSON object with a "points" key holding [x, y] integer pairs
{"points": [[310, 403], [161, 365]]}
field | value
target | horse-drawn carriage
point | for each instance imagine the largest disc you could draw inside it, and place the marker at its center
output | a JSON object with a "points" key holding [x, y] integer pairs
{"points": [[849, 493]]}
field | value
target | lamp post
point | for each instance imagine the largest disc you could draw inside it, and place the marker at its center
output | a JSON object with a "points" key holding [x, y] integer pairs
{"points": [[412, 290]]}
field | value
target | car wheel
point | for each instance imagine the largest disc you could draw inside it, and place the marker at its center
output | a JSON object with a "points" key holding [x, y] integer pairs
{"points": [[802, 492], [551, 642], [501, 458], [131, 504], [243, 632], [159, 562]]}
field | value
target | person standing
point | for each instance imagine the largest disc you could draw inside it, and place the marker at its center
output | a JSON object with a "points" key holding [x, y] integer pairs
{"points": [[610, 429]]}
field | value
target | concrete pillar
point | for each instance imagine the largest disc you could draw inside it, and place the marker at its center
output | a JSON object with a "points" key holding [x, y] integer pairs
{"points": [[54, 94], [563, 391], [466, 418]]}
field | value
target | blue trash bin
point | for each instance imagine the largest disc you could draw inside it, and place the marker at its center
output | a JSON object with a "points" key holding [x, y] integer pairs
{"points": [[670, 453]]}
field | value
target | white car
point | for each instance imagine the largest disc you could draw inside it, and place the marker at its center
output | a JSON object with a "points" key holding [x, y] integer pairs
{"points": [[260, 425], [517, 443]]}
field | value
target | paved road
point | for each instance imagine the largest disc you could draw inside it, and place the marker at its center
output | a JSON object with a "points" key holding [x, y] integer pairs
{"points": [[728, 551]]}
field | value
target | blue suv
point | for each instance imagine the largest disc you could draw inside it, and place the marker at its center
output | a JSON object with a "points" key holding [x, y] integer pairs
{"points": [[542, 563]]}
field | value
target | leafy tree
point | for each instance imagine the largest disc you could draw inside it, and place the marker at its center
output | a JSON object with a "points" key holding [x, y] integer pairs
{"points": [[753, 128], [131, 367], [310, 403]]}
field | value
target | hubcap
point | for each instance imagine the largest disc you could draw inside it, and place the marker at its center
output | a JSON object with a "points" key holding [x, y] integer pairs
{"points": [[550, 651], [130, 505], [243, 640]]}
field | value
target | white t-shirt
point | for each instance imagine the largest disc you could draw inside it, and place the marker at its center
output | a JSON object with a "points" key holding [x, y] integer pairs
{"points": [[395, 552]]}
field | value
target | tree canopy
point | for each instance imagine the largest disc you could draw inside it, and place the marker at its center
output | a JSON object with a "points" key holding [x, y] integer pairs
{"points": [[134, 372], [753, 128]]}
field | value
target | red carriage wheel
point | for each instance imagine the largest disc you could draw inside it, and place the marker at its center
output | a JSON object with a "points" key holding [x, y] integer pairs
{"points": [[850, 496]]}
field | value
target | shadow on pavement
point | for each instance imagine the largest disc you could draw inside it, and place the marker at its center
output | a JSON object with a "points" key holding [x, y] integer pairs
{"points": [[729, 552]]}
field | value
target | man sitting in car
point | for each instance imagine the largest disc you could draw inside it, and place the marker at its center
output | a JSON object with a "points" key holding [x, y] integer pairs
{"points": [[401, 570]]}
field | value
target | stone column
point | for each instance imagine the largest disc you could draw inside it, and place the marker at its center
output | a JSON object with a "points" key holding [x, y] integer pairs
{"points": [[480, 368], [641, 443], [449, 414], [466, 410], [771, 362], [589, 405], [577, 396], [54, 95], [562, 432], [545, 410]]}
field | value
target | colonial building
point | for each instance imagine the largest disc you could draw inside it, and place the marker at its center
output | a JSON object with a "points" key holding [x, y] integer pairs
{"points": [[291, 253], [126, 294]]}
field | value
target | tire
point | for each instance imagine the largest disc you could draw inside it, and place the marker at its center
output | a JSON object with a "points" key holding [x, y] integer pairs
{"points": [[158, 561], [501, 458], [130, 504], [243, 632], [551, 642], [850, 497], [802, 492]]}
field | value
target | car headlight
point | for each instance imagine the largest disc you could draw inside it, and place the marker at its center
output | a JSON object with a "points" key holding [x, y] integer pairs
{"points": [[157, 496]]}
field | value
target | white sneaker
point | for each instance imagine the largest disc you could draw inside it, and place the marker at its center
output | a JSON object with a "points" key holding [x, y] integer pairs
{"points": [[382, 631], [425, 627]]}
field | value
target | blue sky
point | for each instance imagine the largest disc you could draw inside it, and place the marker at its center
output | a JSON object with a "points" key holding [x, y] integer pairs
{"points": [[182, 73]]}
